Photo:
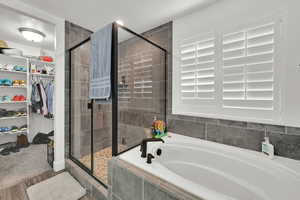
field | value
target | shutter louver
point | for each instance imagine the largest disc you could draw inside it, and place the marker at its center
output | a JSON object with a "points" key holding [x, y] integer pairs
{"points": [[142, 68], [248, 68], [197, 74]]}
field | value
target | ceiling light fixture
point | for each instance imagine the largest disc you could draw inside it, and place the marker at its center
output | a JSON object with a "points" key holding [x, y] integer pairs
{"points": [[120, 22], [32, 34]]}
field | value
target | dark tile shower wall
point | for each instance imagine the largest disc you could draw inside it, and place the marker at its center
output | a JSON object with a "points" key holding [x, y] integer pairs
{"points": [[140, 61], [73, 35]]}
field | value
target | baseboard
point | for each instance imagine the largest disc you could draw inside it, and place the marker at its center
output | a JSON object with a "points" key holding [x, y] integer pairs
{"points": [[59, 165]]}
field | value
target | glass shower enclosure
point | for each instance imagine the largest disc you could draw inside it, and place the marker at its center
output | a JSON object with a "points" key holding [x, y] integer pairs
{"points": [[100, 131]]}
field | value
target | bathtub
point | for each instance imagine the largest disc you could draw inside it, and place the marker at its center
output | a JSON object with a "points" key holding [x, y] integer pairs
{"points": [[215, 171]]}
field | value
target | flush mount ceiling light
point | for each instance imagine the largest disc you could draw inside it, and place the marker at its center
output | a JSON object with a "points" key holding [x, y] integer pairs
{"points": [[32, 34], [120, 22]]}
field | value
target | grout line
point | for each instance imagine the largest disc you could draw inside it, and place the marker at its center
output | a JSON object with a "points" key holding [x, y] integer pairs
{"points": [[205, 131], [285, 130], [143, 188]]}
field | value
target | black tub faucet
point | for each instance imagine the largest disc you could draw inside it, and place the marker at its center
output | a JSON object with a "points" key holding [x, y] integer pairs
{"points": [[144, 145]]}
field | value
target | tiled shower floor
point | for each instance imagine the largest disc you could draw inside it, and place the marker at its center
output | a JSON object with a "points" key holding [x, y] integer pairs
{"points": [[101, 159]]}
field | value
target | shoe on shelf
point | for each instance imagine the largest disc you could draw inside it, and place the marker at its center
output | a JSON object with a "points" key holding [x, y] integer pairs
{"points": [[23, 128], [17, 68], [24, 69], [22, 112], [5, 99], [6, 82], [4, 129], [3, 113], [11, 113], [16, 98], [14, 129], [22, 83], [22, 98], [16, 83]]}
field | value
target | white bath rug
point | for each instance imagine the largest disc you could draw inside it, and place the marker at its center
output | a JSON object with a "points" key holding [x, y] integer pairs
{"points": [[60, 187]]}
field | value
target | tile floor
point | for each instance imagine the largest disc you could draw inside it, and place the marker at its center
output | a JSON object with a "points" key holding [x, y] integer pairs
{"points": [[101, 159]]}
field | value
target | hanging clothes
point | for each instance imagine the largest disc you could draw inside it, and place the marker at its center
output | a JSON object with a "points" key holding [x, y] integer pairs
{"points": [[41, 89], [49, 93], [36, 104], [42, 98]]}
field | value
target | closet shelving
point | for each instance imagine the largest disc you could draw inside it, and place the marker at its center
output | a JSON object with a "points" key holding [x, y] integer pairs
{"points": [[9, 73], [16, 90], [8, 118], [13, 102]]}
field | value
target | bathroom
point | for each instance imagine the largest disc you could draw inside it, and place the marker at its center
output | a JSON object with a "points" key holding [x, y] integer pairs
{"points": [[202, 101]]}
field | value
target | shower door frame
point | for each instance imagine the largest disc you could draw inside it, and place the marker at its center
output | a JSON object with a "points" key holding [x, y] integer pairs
{"points": [[114, 97]]}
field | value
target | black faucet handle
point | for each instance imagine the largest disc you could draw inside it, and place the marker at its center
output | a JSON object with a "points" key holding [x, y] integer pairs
{"points": [[149, 158]]}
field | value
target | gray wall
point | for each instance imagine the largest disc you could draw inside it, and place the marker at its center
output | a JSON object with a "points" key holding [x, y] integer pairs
{"points": [[137, 112]]}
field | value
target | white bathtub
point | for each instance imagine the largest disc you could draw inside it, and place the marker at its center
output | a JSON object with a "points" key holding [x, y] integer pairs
{"points": [[214, 171]]}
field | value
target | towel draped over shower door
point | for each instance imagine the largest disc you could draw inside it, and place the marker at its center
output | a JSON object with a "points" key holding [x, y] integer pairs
{"points": [[100, 73]]}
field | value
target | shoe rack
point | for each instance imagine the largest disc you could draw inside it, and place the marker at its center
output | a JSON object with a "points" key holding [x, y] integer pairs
{"points": [[16, 104], [39, 122]]}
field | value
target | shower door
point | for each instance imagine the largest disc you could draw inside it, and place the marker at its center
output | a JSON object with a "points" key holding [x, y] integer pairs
{"points": [[90, 123]]}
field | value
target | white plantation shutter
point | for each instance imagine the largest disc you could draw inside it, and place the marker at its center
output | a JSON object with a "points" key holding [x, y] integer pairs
{"points": [[248, 68], [197, 70], [233, 75]]}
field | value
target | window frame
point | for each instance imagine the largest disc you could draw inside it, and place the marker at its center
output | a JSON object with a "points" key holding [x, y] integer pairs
{"points": [[216, 110]]}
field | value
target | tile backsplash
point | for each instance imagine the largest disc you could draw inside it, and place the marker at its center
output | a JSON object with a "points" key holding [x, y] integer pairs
{"points": [[241, 134]]}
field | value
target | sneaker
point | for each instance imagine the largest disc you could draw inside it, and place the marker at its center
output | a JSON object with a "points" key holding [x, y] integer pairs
{"points": [[22, 112], [22, 83], [23, 128], [16, 83], [16, 98], [4, 129], [6, 82], [5, 152], [17, 68], [3, 113], [11, 113], [5, 99], [14, 129], [22, 98]]}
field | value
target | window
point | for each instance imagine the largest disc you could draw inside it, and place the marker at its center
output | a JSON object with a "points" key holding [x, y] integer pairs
{"points": [[232, 75], [248, 68]]}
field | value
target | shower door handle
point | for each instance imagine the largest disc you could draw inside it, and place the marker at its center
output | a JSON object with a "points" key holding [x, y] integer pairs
{"points": [[90, 105]]}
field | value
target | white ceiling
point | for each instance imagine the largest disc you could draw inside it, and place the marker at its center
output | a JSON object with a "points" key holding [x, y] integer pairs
{"points": [[138, 15], [11, 20]]}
